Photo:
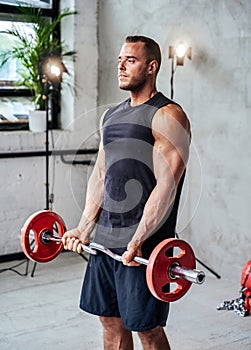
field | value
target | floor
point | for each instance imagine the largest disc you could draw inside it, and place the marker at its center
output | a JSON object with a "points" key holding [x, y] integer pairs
{"points": [[41, 312]]}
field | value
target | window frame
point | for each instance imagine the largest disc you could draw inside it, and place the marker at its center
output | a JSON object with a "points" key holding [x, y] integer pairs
{"points": [[16, 91]]}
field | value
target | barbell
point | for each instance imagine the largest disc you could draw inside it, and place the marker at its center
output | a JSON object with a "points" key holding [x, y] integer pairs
{"points": [[168, 277]]}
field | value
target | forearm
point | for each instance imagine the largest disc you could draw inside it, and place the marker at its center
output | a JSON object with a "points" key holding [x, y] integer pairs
{"points": [[90, 214], [94, 198], [156, 208], [73, 239]]}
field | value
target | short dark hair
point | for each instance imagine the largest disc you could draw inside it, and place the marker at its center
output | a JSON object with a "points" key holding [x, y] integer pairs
{"points": [[152, 48]]}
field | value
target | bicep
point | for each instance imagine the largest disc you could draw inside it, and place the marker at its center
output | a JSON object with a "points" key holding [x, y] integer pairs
{"points": [[99, 167], [171, 147], [100, 161], [167, 163]]}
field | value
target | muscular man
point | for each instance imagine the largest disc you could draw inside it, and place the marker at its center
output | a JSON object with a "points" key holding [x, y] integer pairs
{"points": [[132, 199]]}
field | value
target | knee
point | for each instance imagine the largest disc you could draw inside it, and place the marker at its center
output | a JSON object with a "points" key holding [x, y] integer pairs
{"points": [[105, 321], [151, 334], [115, 335], [155, 337], [110, 322], [145, 335]]}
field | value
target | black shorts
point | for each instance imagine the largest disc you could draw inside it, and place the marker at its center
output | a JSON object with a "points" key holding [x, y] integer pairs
{"points": [[114, 290]]}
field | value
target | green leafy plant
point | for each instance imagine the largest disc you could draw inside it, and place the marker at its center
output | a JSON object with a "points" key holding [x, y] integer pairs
{"points": [[33, 50]]}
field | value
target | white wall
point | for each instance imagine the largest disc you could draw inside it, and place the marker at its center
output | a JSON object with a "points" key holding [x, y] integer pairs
{"points": [[22, 189], [214, 90]]}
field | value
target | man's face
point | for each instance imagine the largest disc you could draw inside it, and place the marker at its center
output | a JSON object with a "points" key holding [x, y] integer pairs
{"points": [[132, 66]]}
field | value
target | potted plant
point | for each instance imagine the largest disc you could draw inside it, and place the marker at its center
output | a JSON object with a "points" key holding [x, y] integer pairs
{"points": [[32, 51]]}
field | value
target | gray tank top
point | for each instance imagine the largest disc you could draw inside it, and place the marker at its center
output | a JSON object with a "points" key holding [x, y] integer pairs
{"points": [[128, 145]]}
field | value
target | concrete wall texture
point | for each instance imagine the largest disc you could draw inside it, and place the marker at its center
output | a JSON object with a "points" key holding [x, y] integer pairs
{"points": [[214, 90]]}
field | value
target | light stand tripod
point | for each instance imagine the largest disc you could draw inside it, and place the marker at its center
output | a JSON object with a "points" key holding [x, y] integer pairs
{"points": [[47, 193], [52, 69], [178, 54]]}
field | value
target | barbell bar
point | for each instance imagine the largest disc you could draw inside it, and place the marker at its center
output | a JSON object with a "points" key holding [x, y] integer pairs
{"points": [[175, 271], [41, 241]]}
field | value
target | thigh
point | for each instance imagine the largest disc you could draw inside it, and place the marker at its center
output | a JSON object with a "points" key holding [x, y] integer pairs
{"points": [[139, 309]]}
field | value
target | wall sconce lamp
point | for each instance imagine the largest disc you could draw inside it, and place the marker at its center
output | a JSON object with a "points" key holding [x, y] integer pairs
{"points": [[178, 54]]}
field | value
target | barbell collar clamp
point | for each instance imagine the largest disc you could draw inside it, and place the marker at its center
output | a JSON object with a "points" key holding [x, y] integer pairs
{"points": [[47, 236], [193, 276]]}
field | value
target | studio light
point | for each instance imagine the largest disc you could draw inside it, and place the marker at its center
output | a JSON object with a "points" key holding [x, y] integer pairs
{"points": [[178, 54], [53, 68]]}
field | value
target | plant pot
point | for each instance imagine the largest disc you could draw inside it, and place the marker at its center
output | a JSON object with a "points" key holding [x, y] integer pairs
{"points": [[37, 120]]}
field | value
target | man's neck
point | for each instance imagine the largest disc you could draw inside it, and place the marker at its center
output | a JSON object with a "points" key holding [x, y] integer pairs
{"points": [[140, 97]]}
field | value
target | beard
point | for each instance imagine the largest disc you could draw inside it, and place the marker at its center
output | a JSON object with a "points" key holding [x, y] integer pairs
{"points": [[134, 84]]}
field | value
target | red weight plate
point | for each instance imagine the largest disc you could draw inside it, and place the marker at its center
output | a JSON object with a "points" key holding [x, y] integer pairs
{"points": [[157, 273], [31, 234], [246, 275]]}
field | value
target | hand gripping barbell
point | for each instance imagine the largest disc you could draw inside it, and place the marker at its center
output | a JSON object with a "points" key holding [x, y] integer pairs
{"points": [[41, 240]]}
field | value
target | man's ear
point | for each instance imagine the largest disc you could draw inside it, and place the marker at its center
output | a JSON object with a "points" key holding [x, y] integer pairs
{"points": [[152, 67]]}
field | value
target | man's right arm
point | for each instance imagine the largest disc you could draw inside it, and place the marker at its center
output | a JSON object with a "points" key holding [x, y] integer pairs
{"points": [[94, 194]]}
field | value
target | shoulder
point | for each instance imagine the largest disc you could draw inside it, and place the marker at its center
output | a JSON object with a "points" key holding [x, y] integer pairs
{"points": [[171, 114], [118, 106], [102, 118]]}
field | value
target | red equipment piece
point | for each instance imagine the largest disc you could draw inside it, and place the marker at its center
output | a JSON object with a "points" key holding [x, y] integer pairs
{"points": [[246, 285], [159, 272], [41, 242], [35, 236]]}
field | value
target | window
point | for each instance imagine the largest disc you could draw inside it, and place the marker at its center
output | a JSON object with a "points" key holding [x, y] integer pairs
{"points": [[35, 3], [9, 72], [15, 100]]}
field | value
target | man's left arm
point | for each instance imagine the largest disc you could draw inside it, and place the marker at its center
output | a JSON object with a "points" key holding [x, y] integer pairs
{"points": [[171, 131]]}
